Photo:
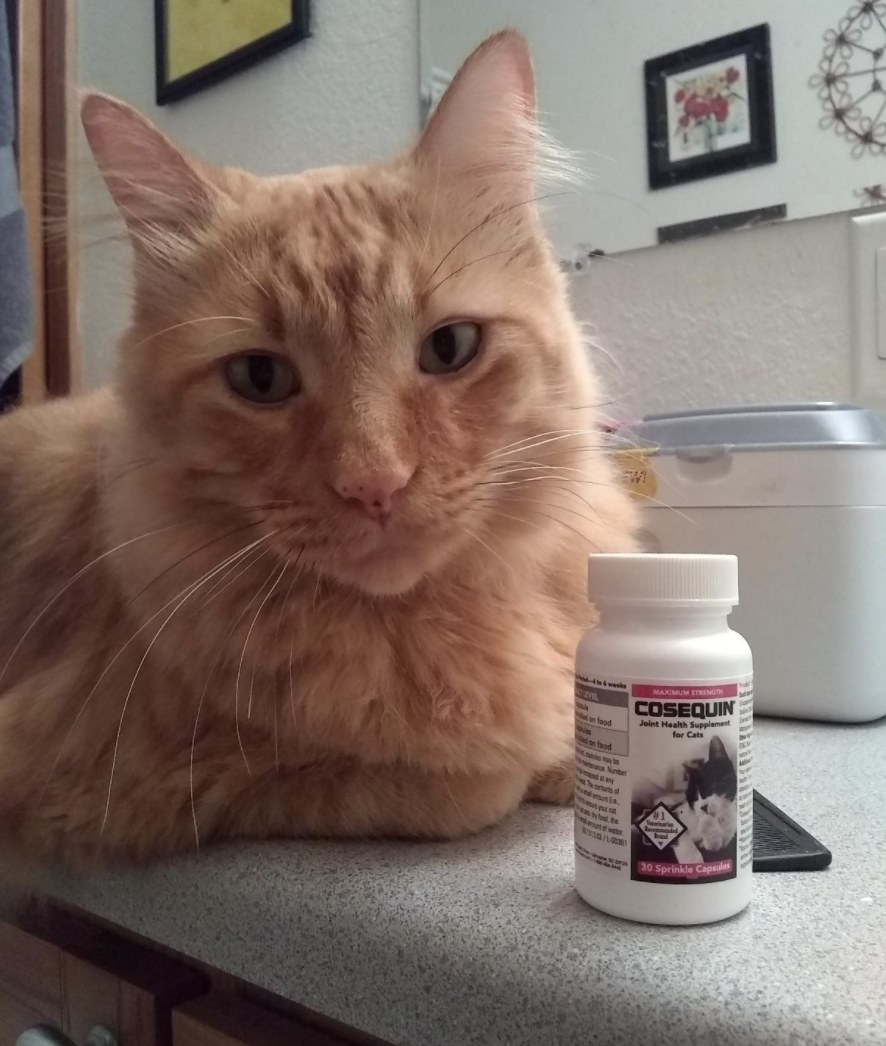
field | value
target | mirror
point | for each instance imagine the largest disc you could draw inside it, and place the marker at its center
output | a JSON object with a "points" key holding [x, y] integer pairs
{"points": [[681, 131]]}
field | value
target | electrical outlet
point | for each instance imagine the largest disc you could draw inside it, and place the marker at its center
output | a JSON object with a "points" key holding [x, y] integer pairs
{"points": [[868, 283]]}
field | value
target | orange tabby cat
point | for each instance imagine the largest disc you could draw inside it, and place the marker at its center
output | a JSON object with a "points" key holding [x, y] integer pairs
{"points": [[315, 564]]}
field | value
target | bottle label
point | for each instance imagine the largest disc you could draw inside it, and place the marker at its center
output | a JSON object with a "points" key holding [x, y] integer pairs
{"points": [[663, 789]]}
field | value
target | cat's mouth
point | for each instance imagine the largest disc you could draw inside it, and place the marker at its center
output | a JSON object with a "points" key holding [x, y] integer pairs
{"points": [[391, 564]]}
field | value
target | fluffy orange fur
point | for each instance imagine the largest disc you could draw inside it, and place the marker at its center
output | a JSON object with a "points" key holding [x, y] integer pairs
{"points": [[200, 636]]}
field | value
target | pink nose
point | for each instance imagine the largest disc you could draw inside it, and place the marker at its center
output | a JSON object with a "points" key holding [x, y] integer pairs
{"points": [[374, 492]]}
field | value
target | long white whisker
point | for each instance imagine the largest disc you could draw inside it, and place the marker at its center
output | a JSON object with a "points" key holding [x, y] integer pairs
{"points": [[79, 574], [489, 548], [424, 246], [191, 590], [191, 763], [108, 668], [221, 584], [563, 434], [243, 655], [291, 684], [188, 323]]}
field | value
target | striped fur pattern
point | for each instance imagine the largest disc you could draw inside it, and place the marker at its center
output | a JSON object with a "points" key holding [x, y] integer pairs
{"points": [[201, 637]]}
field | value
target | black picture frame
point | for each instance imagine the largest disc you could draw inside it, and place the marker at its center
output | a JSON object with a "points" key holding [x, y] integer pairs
{"points": [[753, 46], [297, 29]]}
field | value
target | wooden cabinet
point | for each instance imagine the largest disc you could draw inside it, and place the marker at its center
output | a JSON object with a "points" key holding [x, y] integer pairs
{"points": [[219, 1020], [67, 973], [30, 983], [72, 976]]}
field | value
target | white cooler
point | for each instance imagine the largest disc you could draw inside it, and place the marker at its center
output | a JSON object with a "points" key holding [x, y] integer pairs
{"points": [[798, 493]]}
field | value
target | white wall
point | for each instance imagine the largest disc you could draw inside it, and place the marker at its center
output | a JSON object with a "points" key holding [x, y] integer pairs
{"points": [[741, 317], [589, 57], [347, 94], [744, 317]]}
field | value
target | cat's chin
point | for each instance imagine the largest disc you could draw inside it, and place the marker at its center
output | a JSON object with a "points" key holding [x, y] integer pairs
{"points": [[391, 572]]}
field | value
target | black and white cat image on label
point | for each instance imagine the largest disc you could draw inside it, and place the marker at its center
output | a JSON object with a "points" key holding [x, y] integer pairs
{"points": [[693, 823]]}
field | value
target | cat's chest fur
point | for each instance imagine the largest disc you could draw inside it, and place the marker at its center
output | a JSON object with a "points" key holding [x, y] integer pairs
{"points": [[457, 678]]}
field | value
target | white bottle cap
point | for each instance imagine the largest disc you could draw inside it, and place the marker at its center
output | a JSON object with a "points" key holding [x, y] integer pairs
{"points": [[663, 579]]}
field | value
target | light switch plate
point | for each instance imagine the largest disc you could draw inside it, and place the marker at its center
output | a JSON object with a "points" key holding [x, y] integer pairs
{"points": [[868, 289]]}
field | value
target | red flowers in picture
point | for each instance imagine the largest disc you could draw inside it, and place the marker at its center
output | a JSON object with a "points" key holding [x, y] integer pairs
{"points": [[710, 104]]}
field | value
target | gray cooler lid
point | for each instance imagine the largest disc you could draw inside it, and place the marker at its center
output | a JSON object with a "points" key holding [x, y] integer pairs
{"points": [[798, 426]]}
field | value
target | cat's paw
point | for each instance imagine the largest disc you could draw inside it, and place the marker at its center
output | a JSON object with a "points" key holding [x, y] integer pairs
{"points": [[555, 785]]}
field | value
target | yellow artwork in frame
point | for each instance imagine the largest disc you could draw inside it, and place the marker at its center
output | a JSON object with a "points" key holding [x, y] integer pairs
{"points": [[201, 41]]}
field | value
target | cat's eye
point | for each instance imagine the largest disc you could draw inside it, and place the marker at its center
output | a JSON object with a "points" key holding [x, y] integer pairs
{"points": [[449, 348], [262, 377]]}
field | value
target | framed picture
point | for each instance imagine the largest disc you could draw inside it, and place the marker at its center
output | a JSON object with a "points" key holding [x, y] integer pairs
{"points": [[199, 42], [709, 108]]}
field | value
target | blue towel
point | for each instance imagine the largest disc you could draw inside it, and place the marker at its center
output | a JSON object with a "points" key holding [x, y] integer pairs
{"points": [[16, 319]]}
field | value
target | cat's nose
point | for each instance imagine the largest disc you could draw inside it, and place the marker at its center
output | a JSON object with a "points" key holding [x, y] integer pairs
{"points": [[374, 492]]}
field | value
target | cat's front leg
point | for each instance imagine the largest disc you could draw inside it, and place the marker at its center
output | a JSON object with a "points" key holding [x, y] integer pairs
{"points": [[354, 801], [555, 785]]}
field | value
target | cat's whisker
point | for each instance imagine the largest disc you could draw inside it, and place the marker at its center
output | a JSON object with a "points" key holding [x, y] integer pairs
{"points": [[244, 271], [286, 566], [490, 549], [510, 447], [296, 573], [467, 265], [191, 589], [552, 457], [502, 483], [561, 522], [276, 735], [188, 323], [424, 246], [316, 594], [225, 581], [185, 558], [291, 683], [505, 515], [494, 214], [128, 471], [531, 442], [564, 508], [191, 760], [243, 654], [251, 691], [535, 466], [81, 711], [588, 482], [98, 559]]}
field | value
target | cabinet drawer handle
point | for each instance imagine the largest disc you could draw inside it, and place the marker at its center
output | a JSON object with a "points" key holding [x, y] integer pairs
{"points": [[45, 1035]]}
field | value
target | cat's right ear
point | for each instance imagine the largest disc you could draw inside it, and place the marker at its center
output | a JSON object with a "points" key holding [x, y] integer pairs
{"points": [[485, 124], [154, 185]]}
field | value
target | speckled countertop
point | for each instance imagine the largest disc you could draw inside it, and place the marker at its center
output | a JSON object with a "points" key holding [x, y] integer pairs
{"points": [[485, 941]]}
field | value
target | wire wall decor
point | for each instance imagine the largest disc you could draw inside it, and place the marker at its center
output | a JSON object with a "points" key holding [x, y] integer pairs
{"points": [[851, 81]]}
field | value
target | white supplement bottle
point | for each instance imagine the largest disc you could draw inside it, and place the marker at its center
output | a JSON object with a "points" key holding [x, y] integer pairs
{"points": [[663, 721]]}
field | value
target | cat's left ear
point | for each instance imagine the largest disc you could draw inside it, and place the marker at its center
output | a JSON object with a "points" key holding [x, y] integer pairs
{"points": [[717, 749], [485, 124], [155, 186]]}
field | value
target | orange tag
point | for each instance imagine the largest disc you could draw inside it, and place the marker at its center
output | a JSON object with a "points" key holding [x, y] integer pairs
{"points": [[636, 472]]}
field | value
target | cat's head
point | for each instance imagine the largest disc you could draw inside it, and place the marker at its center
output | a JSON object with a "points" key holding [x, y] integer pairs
{"points": [[712, 783], [378, 360]]}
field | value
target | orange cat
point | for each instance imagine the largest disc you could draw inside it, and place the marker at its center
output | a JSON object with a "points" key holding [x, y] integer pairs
{"points": [[315, 564]]}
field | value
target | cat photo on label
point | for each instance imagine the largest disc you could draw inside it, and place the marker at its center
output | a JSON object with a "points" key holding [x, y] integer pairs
{"points": [[698, 819], [314, 562]]}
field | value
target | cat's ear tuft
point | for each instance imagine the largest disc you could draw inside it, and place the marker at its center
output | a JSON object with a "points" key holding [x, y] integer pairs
{"points": [[154, 185], [485, 123]]}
